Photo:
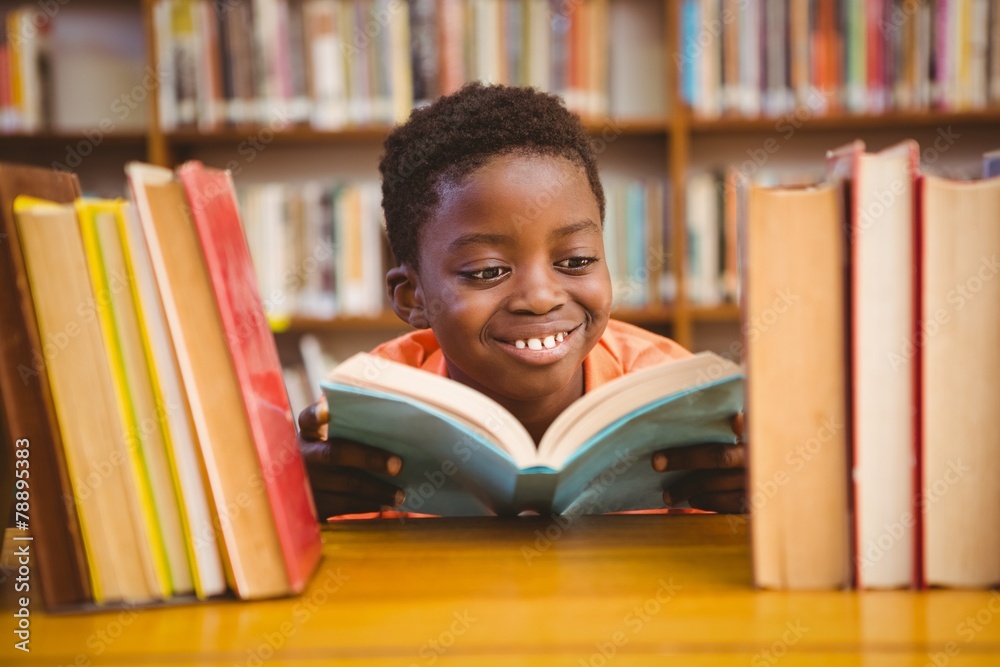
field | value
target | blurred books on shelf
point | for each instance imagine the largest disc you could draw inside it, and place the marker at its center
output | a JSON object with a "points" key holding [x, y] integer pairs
{"points": [[337, 63], [772, 57], [712, 270], [72, 69], [637, 239], [319, 250]]}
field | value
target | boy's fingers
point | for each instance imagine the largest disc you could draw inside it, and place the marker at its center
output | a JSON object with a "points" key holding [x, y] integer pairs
{"points": [[738, 425], [313, 420], [346, 454], [705, 482], [356, 484], [701, 456]]}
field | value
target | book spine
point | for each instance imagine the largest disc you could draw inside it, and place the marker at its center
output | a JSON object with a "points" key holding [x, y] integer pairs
{"points": [[226, 62], [148, 524], [919, 576], [424, 51], [690, 12], [27, 406]]}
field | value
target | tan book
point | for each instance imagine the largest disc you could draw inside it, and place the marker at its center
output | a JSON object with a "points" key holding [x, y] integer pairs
{"points": [[959, 326], [796, 386], [253, 554], [145, 421], [26, 398], [104, 490]]}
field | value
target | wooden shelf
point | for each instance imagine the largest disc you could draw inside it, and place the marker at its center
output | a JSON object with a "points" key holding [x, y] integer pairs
{"points": [[649, 316], [387, 320], [726, 312], [659, 315], [839, 120], [122, 138], [191, 137], [368, 133], [629, 126]]}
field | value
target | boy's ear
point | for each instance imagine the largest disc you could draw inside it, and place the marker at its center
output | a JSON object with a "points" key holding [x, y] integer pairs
{"points": [[405, 295]]}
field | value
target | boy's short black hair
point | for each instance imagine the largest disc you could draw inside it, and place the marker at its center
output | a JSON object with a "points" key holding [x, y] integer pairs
{"points": [[459, 133]]}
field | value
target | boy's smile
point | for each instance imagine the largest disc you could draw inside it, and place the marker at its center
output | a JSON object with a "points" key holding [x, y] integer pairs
{"points": [[513, 281]]}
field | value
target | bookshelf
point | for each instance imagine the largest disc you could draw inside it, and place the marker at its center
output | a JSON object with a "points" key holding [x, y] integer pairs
{"points": [[673, 144]]}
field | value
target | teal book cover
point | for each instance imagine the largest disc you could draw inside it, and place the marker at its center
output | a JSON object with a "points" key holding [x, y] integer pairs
{"points": [[465, 455]]}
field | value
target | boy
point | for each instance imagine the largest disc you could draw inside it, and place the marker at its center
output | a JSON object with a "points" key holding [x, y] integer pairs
{"points": [[495, 211]]}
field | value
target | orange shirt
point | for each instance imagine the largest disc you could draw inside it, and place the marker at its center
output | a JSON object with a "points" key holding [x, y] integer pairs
{"points": [[623, 348]]}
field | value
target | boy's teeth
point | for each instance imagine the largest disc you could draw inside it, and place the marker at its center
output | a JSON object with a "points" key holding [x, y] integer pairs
{"points": [[548, 342]]}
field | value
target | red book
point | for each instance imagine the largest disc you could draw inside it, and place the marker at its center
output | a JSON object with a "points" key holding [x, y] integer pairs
{"points": [[255, 358]]}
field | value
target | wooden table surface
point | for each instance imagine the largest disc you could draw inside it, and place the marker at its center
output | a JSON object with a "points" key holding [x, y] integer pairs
{"points": [[621, 590]]}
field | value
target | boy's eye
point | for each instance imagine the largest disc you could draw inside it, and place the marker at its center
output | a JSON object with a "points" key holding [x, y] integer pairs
{"points": [[490, 273], [576, 262]]}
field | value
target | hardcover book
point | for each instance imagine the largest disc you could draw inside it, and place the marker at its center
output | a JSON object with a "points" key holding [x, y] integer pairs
{"points": [[216, 218], [26, 395], [464, 454]]}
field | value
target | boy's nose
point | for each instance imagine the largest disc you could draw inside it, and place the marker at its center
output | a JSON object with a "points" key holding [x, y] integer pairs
{"points": [[536, 292]]}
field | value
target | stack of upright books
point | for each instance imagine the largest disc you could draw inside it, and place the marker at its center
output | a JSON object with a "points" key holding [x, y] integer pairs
{"points": [[155, 453], [874, 305]]}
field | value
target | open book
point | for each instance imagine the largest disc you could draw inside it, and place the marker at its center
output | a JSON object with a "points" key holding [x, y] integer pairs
{"points": [[464, 454]]}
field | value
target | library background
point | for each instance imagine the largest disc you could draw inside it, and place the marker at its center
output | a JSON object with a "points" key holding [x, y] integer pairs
{"points": [[680, 97]]}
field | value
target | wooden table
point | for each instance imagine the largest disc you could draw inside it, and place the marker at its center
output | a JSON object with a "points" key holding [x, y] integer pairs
{"points": [[622, 590]]}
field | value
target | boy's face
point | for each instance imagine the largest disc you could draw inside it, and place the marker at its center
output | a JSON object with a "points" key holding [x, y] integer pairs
{"points": [[513, 278]]}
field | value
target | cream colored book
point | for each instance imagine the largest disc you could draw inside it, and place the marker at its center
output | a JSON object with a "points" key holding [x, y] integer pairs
{"points": [[796, 386], [121, 552], [960, 364], [147, 457], [882, 229]]}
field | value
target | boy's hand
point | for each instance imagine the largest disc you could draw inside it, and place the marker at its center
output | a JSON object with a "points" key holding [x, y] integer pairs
{"points": [[339, 469], [718, 482]]}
